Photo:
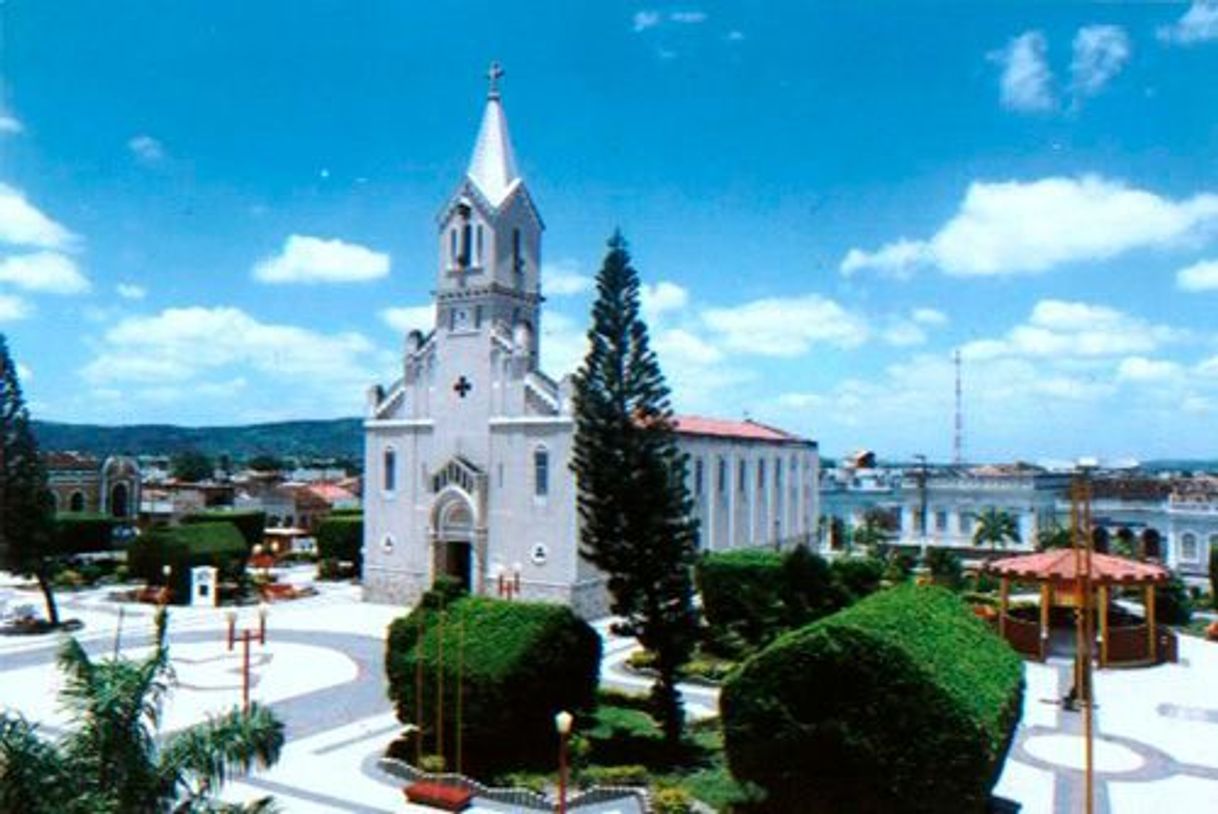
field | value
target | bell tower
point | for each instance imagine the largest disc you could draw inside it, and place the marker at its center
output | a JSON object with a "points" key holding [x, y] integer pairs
{"points": [[490, 240]]}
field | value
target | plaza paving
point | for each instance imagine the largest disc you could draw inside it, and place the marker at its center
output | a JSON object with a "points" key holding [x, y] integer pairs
{"points": [[322, 670]]}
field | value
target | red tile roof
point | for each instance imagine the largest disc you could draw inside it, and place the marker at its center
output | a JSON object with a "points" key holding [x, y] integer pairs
{"points": [[1058, 566], [747, 430], [329, 492]]}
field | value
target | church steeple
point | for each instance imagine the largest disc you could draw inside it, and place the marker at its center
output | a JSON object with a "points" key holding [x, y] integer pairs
{"points": [[492, 167]]}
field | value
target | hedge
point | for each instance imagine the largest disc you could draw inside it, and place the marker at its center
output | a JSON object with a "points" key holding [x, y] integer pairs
{"points": [[250, 522], [520, 664], [81, 532], [185, 547], [757, 593], [342, 538], [902, 703]]}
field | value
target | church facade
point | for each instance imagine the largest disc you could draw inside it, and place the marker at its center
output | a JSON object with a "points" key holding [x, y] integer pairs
{"points": [[467, 455]]}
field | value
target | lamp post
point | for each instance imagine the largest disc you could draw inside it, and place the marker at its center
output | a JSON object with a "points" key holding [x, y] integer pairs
{"points": [[562, 722], [264, 610], [166, 572], [921, 459], [231, 616]]}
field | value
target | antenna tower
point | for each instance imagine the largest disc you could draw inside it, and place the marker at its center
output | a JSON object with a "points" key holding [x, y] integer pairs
{"points": [[958, 436]]}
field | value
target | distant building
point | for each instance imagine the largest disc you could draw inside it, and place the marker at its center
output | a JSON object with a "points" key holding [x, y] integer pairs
{"points": [[81, 483]]}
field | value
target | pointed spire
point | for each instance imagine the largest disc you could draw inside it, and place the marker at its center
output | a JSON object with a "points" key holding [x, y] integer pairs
{"points": [[492, 167]]}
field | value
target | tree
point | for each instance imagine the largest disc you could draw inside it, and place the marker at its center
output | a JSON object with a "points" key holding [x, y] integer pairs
{"points": [[27, 507], [112, 760], [636, 513], [265, 463], [191, 466], [1053, 536], [995, 527]]}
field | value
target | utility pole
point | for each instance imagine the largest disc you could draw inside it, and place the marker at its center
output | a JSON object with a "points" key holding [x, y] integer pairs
{"points": [[958, 437], [1081, 542], [921, 459]]}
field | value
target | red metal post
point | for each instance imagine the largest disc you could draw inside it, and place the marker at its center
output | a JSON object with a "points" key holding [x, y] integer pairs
{"points": [[245, 671], [232, 632], [562, 773]]}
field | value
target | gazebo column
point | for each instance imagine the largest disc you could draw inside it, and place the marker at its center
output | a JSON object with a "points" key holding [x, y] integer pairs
{"points": [[1150, 622], [1004, 590], [1103, 625], [1046, 590]]}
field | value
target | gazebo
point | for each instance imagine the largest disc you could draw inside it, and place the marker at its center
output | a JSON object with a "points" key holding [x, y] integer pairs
{"points": [[1057, 573]]}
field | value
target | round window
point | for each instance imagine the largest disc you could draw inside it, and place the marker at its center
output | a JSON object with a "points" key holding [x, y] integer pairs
{"points": [[539, 554]]}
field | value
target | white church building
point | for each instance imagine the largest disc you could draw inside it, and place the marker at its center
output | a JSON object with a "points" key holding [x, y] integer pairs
{"points": [[467, 455]]}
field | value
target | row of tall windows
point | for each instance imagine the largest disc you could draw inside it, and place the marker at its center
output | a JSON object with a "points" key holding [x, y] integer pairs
{"points": [[541, 471], [742, 477]]}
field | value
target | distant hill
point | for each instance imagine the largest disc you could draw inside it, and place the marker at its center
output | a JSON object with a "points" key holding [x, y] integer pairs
{"points": [[336, 438], [1181, 465]]}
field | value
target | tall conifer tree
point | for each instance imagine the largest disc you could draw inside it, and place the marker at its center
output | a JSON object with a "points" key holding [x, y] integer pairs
{"points": [[635, 509], [27, 513]]}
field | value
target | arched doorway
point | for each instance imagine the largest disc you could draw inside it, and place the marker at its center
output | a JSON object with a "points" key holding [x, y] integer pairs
{"points": [[76, 503], [454, 537], [119, 500]]}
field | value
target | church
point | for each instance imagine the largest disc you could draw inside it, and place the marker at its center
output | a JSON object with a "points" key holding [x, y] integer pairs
{"points": [[467, 455]]}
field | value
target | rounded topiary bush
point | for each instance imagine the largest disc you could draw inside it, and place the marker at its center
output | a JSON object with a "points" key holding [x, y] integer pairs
{"points": [[514, 666], [342, 538], [904, 702]]}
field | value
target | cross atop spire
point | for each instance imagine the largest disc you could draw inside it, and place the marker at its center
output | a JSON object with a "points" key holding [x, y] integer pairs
{"points": [[492, 75], [492, 167]]}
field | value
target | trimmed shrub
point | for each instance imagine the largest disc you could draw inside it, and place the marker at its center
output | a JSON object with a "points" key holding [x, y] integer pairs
{"points": [[342, 538], [945, 567], [856, 577], [755, 594], [250, 522], [1172, 603], [185, 547], [903, 702], [520, 663], [84, 532]]}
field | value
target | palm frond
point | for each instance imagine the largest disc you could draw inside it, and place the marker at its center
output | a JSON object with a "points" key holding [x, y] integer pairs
{"points": [[33, 777], [207, 754]]}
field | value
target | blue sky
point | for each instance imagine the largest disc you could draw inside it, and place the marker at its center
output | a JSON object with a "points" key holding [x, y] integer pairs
{"points": [[221, 212]]}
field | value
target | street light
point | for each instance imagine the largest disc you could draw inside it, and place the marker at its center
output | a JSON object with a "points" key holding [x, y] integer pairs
{"points": [[562, 722], [264, 610], [231, 616], [166, 570]]}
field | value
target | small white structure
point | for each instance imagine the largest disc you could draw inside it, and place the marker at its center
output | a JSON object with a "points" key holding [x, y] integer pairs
{"points": [[203, 587]]}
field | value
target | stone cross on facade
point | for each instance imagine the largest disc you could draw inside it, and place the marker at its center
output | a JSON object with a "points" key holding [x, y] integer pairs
{"points": [[462, 387]]}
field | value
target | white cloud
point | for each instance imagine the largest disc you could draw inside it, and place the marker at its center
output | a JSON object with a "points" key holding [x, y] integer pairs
{"points": [[1201, 276], [903, 333], [24, 373], [10, 125], [187, 344], [47, 272], [1026, 81], [22, 224], [146, 149], [896, 260], [563, 279], [307, 259], [1199, 24], [688, 17], [410, 318], [928, 316], [131, 291], [564, 344], [1016, 227], [1100, 52], [682, 347], [12, 308], [735, 36], [1141, 369], [1074, 330], [785, 327], [662, 298], [646, 19]]}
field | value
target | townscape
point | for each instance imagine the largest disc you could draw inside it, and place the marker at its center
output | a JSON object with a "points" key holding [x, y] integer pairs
{"points": [[537, 573]]}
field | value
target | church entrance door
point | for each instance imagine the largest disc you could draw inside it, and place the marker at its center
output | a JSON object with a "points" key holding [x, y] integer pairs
{"points": [[118, 500], [457, 563]]}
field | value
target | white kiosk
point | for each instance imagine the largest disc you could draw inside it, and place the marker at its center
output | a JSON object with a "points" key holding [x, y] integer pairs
{"points": [[203, 587]]}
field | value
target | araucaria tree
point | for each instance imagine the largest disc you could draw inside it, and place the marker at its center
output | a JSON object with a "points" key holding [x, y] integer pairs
{"points": [[634, 507], [27, 509]]}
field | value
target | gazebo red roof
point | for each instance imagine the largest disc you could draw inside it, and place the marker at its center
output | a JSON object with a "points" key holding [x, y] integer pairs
{"points": [[1058, 565]]}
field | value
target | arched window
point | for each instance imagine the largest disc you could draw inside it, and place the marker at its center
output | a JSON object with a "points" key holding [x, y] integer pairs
{"points": [[541, 472], [517, 257], [452, 245], [466, 245], [743, 476], [698, 477], [76, 503], [390, 474], [478, 244], [1188, 546], [722, 480]]}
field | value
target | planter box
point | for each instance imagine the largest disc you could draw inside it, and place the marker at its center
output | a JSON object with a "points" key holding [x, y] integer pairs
{"points": [[439, 795]]}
